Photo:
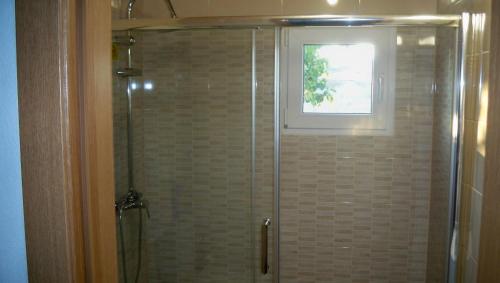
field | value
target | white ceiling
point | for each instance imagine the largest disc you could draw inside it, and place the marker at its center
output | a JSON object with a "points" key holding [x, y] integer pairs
{"points": [[197, 8]]}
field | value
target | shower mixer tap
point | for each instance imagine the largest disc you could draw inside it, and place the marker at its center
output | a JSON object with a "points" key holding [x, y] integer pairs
{"points": [[132, 200]]}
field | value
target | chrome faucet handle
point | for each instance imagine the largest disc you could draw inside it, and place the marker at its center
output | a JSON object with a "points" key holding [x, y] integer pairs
{"points": [[133, 199], [133, 196]]}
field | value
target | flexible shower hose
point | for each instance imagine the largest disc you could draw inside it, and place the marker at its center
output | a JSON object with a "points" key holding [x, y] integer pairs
{"points": [[139, 247]]}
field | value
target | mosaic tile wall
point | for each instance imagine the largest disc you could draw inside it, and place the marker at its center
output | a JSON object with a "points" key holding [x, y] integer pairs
{"points": [[353, 209], [356, 209], [474, 145], [264, 194], [120, 132], [197, 129], [441, 154]]}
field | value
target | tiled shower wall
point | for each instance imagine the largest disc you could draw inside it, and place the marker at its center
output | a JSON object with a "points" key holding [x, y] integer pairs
{"points": [[197, 153], [353, 209], [120, 131], [356, 209], [474, 151]]}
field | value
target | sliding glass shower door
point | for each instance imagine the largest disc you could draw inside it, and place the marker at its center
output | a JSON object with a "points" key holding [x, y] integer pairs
{"points": [[203, 142]]}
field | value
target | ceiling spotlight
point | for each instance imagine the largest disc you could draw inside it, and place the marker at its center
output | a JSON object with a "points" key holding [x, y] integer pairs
{"points": [[332, 2]]}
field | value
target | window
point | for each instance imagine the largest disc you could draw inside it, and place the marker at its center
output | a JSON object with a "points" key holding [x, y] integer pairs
{"points": [[339, 81]]}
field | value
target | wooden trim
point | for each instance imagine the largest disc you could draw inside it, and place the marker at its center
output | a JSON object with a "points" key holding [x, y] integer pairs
{"points": [[48, 105], [95, 80], [64, 77], [73, 161], [489, 251]]}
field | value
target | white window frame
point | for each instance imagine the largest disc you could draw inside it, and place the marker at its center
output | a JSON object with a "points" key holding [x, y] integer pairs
{"points": [[379, 123]]}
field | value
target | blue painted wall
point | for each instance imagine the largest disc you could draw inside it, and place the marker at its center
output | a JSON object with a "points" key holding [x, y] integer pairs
{"points": [[12, 241]]}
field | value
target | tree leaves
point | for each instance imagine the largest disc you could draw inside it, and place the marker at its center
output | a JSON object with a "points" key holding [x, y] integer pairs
{"points": [[316, 89]]}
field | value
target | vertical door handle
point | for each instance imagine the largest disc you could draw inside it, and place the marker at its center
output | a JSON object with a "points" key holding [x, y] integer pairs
{"points": [[381, 88], [264, 267]]}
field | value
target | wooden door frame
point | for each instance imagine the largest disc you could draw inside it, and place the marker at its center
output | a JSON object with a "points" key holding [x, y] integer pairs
{"points": [[97, 139], [65, 103]]}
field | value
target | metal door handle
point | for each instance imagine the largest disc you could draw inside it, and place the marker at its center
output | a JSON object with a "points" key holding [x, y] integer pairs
{"points": [[264, 267], [381, 88]]}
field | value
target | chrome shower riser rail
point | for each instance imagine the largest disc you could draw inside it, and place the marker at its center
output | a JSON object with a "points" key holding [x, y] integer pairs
{"points": [[284, 21]]}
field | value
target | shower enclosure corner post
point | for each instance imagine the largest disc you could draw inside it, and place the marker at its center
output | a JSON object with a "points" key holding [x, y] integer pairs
{"points": [[457, 148], [277, 154], [253, 156]]}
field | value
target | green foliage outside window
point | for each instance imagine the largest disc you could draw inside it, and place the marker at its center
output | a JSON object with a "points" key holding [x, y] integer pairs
{"points": [[316, 89]]}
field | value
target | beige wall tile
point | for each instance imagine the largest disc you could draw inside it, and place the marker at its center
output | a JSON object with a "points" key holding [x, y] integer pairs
{"points": [[478, 177], [469, 150], [482, 111], [483, 86], [487, 29], [478, 44], [475, 219], [477, 86], [471, 87]]}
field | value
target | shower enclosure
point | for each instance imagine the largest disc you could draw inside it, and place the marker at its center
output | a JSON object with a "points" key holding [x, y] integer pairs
{"points": [[234, 198], [203, 152]]}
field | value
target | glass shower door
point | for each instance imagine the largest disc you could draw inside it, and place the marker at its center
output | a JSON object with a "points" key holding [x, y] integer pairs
{"points": [[203, 153]]}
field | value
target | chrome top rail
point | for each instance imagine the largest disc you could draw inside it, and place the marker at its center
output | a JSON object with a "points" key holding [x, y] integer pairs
{"points": [[284, 21]]}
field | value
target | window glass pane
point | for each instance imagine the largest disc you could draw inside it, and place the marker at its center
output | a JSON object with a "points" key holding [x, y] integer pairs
{"points": [[338, 78]]}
